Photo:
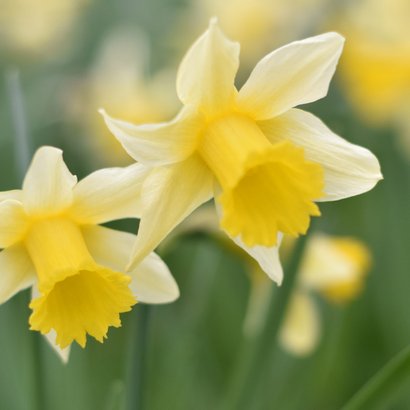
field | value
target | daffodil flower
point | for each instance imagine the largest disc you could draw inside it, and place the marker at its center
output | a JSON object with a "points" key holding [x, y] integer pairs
{"points": [[131, 94], [51, 241], [265, 162], [333, 267]]}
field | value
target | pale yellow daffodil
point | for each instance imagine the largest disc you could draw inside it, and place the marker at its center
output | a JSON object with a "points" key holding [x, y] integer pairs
{"points": [[51, 241], [265, 162], [256, 23], [119, 80], [375, 67], [334, 267], [37, 26]]}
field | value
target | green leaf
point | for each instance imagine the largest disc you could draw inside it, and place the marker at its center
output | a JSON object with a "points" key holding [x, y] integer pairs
{"points": [[385, 385]]}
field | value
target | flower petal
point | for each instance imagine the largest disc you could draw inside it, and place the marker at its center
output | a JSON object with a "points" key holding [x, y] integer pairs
{"points": [[48, 184], [157, 144], [301, 328], [295, 74], [348, 169], [16, 194], [169, 195], [108, 194], [267, 258], [13, 222], [16, 271], [207, 73], [152, 281]]}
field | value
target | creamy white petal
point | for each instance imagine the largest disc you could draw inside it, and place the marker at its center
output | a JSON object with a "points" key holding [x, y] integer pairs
{"points": [[16, 271], [13, 222], [169, 195], [109, 194], [207, 73], [267, 258], [158, 144], [109, 247], [152, 281], [300, 330], [16, 194], [48, 184], [348, 168], [295, 74]]}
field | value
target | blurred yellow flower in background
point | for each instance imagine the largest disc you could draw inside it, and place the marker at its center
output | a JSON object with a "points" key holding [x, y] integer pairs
{"points": [[333, 267], [265, 162], [51, 239], [36, 26], [375, 67], [118, 80], [259, 24]]}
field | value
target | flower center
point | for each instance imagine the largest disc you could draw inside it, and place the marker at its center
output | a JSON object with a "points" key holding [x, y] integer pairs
{"points": [[77, 296], [265, 188]]}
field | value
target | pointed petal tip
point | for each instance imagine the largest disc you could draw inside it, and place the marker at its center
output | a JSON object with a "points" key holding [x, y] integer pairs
{"points": [[152, 281], [213, 21], [62, 353], [331, 36], [337, 36], [48, 148], [132, 265], [103, 113]]}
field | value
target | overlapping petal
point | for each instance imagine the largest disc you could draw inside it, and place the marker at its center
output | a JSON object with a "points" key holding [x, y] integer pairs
{"points": [[207, 73], [16, 271], [48, 184], [152, 281], [16, 194], [295, 74], [267, 258], [169, 195], [13, 222], [109, 194], [348, 169], [158, 144]]}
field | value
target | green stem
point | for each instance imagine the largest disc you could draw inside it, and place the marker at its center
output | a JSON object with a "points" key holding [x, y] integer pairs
{"points": [[255, 353], [22, 145], [136, 358], [384, 385]]}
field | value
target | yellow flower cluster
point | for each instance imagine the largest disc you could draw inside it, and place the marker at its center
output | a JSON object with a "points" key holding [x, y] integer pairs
{"points": [[265, 162]]}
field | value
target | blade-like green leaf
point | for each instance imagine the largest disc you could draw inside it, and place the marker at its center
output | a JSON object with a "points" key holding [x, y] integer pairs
{"points": [[385, 385]]}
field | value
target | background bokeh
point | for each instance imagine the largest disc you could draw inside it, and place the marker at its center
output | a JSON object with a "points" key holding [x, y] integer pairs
{"points": [[68, 58]]}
